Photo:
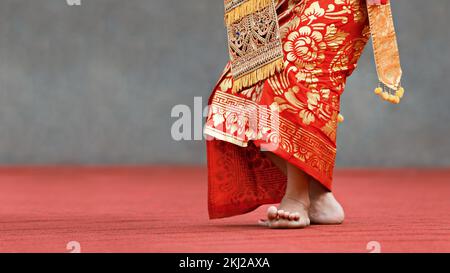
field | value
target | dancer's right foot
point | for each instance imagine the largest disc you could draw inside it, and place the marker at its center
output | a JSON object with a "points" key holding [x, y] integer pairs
{"points": [[291, 213], [325, 209]]}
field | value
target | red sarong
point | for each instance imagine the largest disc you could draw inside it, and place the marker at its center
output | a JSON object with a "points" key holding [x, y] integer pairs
{"points": [[294, 114]]}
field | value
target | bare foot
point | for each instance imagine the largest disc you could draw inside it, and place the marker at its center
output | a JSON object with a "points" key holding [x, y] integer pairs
{"points": [[324, 209], [291, 213], [293, 209]]}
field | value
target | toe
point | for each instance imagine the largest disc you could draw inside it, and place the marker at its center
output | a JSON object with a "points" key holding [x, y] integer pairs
{"points": [[292, 217], [296, 216], [281, 213], [286, 215], [272, 213]]}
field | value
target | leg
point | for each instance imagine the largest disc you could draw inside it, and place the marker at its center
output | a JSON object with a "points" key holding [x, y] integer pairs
{"points": [[324, 208], [278, 161], [293, 210]]}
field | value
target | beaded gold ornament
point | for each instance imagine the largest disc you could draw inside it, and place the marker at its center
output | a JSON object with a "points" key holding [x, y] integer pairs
{"points": [[388, 94]]}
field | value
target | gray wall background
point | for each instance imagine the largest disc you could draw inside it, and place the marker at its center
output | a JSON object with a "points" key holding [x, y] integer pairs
{"points": [[95, 84]]}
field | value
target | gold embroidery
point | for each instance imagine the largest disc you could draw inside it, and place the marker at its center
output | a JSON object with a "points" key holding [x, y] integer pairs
{"points": [[385, 46], [306, 40], [354, 7], [346, 59], [234, 115], [318, 56], [253, 41]]}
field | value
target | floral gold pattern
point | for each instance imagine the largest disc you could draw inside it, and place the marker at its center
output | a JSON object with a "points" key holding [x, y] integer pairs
{"points": [[295, 112]]}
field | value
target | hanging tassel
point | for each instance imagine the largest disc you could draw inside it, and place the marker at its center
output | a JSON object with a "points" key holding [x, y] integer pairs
{"points": [[388, 94], [400, 92], [378, 90]]}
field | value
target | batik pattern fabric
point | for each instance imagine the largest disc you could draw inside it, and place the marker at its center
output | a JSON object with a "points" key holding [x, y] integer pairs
{"points": [[253, 41], [293, 114]]}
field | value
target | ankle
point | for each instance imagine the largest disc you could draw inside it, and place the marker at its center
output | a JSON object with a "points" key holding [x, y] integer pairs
{"points": [[301, 200], [316, 190]]}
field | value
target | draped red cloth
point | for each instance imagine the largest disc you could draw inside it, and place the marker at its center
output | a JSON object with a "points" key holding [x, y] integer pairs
{"points": [[293, 114]]}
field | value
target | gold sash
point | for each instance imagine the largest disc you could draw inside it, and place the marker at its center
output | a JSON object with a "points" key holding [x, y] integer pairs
{"points": [[385, 49]]}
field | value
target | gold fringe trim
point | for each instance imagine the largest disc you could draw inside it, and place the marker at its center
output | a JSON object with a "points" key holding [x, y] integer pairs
{"points": [[245, 9], [258, 75]]}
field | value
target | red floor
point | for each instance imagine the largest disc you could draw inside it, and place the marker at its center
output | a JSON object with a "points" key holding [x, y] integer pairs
{"points": [[164, 210]]}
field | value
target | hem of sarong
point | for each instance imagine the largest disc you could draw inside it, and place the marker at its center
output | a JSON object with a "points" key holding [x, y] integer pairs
{"points": [[224, 210], [324, 180]]}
